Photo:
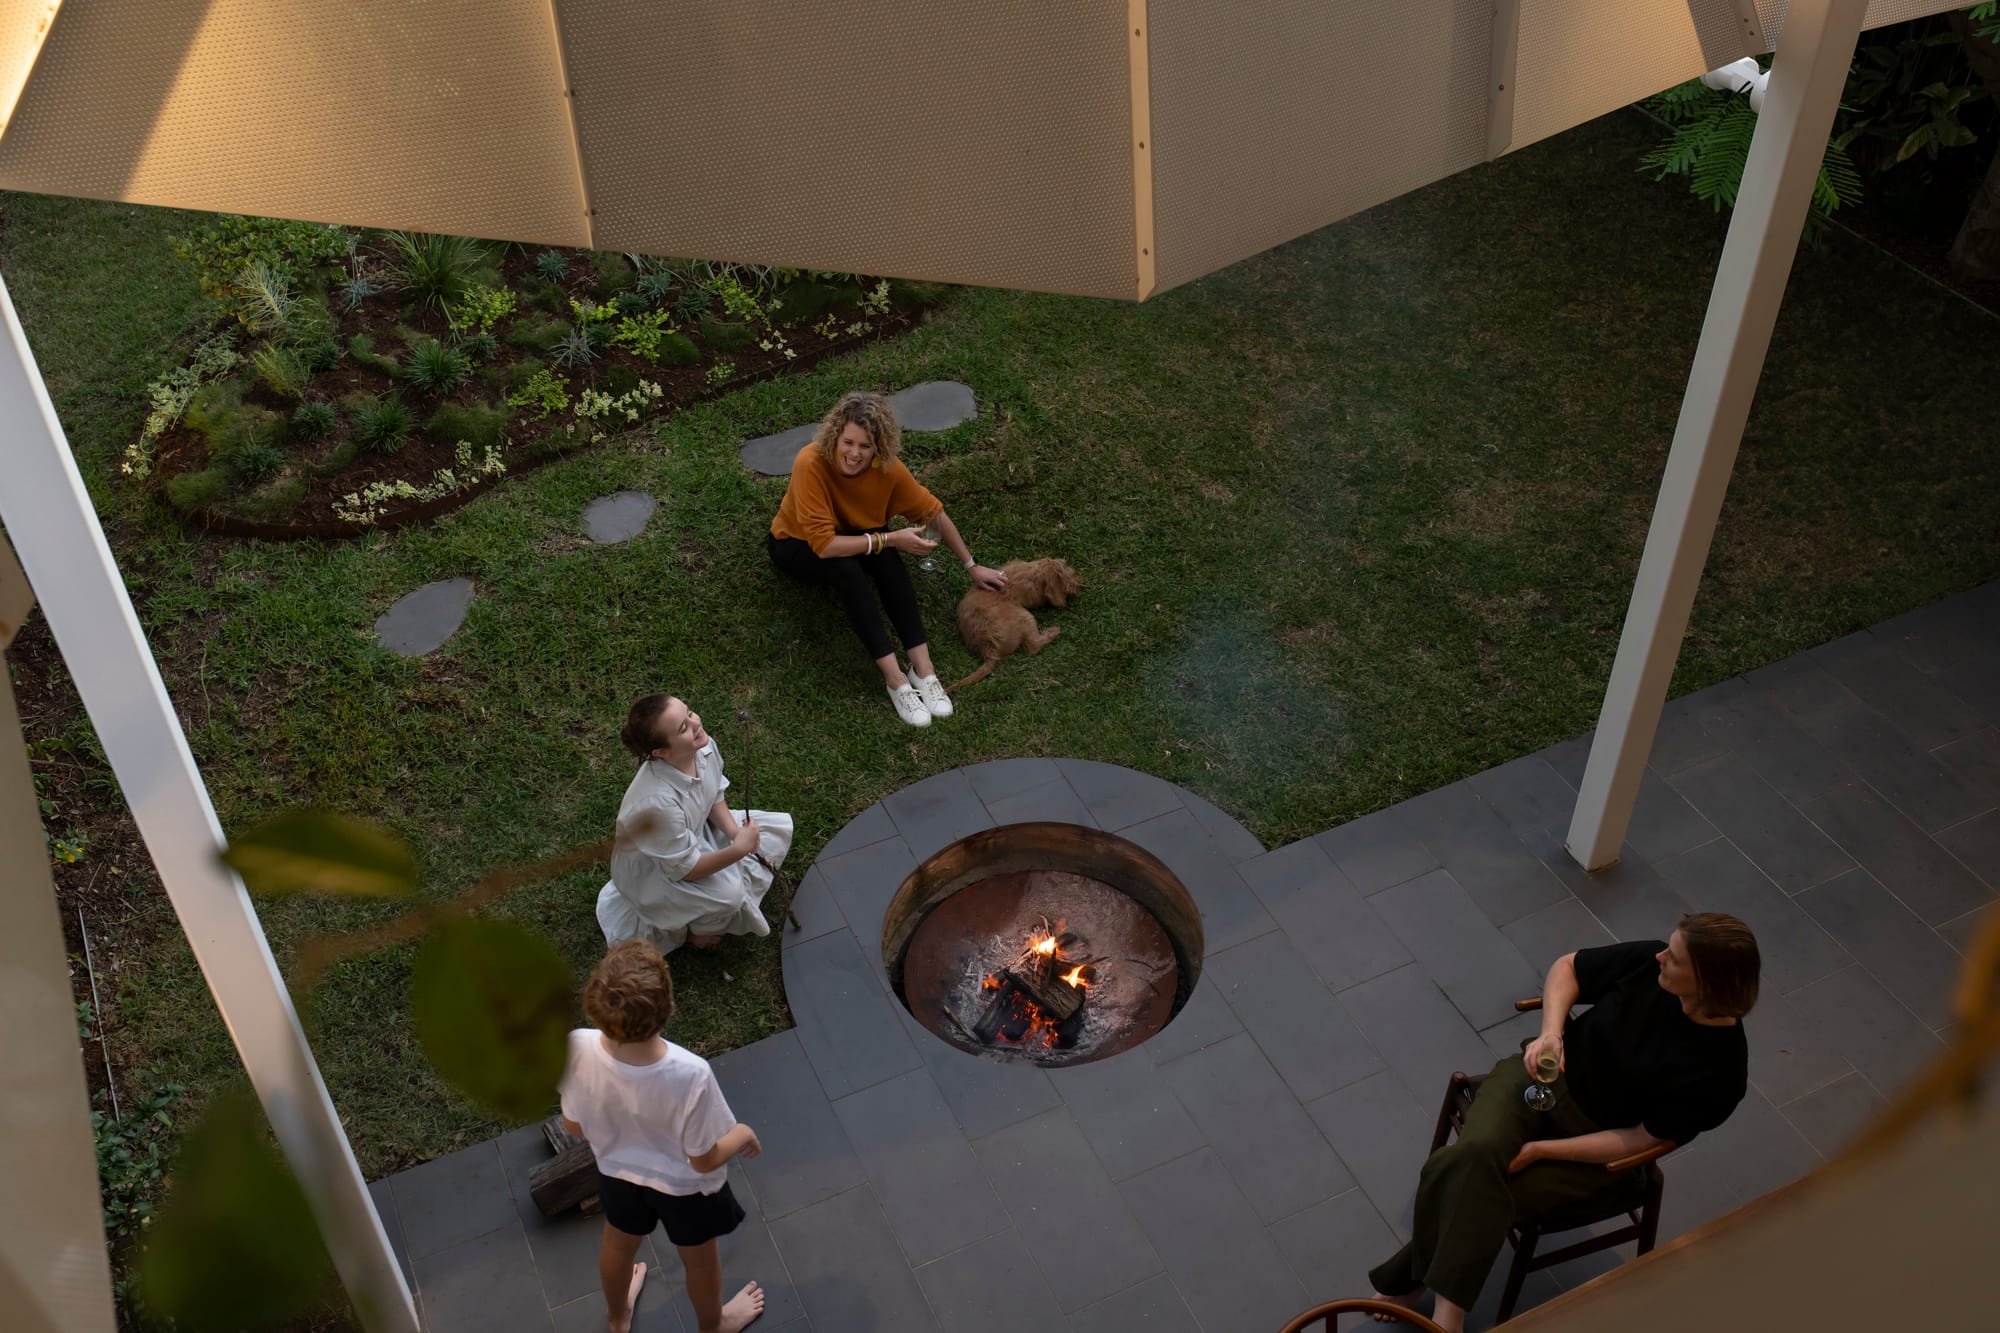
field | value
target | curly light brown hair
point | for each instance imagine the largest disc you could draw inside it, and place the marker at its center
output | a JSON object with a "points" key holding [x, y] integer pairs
{"points": [[630, 994], [871, 412], [1726, 962]]}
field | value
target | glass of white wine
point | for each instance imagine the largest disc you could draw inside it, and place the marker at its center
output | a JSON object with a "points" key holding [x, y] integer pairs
{"points": [[929, 532], [1547, 1068]]}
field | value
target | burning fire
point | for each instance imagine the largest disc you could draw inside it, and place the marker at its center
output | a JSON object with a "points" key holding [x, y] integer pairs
{"points": [[1043, 952]]}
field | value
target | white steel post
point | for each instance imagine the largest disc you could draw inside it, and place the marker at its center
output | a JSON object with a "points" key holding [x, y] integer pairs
{"points": [[1808, 73], [56, 535]]}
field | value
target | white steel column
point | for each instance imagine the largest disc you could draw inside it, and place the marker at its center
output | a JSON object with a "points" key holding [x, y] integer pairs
{"points": [[55, 531], [1807, 75]]}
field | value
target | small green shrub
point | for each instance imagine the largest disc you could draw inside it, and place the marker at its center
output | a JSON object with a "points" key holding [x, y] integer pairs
{"points": [[613, 273], [337, 458], [382, 427], [553, 265], [577, 348], [276, 500], [641, 334], [254, 461], [436, 368], [479, 347], [541, 337], [357, 290], [196, 490], [546, 391], [311, 421], [283, 370], [320, 354], [482, 308], [523, 372], [253, 425], [720, 373], [677, 349], [619, 381], [654, 286], [727, 337], [538, 293], [481, 424], [362, 348], [408, 334], [691, 304], [211, 405], [437, 270], [809, 300]]}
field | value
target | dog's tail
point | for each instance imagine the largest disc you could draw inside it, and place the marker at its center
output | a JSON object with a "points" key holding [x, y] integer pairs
{"points": [[984, 670]]}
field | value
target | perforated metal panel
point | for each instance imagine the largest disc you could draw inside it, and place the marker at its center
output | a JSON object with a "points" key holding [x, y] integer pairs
{"points": [[1273, 117], [440, 115], [964, 141]]}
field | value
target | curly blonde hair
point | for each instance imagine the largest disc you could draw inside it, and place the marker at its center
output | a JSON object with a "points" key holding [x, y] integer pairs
{"points": [[630, 994], [871, 412]]}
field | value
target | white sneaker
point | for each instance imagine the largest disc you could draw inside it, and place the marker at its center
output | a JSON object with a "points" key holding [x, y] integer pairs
{"points": [[935, 699], [909, 704]]}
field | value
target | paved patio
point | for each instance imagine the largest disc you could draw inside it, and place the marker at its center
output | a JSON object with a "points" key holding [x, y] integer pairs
{"points": [[1259, 1154]]}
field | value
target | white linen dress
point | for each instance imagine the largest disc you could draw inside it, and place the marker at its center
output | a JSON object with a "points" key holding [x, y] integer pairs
{"points": [[649, 896]]}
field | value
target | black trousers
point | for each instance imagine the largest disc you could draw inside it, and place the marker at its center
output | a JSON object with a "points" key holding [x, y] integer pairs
{"points": [[851, 576]]}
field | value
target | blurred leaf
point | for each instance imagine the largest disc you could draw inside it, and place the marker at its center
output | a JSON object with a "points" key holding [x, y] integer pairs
{"points": [[491, 1004], [318, 850], [234, 1245]]}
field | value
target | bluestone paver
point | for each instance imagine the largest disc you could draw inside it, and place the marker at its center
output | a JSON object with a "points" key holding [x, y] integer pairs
{"points": [[1792, 947], [933, 814], [984, 1094], [846, 1021], [1008, 777], [806, 1156], [1542, 937], [1331, 1246], [773, 455], [1205, 1019], [918, 1163], [991, 1285], [452, 1198], [1886, 938], [1292, 1016], [1226, 1267], [847, 1268], [484, 1283], [421, 621], [933, 405], [1483, 854], [1117, 797], [1125, 1107], [1055, 802], [1383, 1134], [1457, 946], [1415, 1028], [1767, 828], [1897, 852], [864, 880], [1152, 1306], [1084, 1239], [1324, 916], [610, 519], [1377, 850]]}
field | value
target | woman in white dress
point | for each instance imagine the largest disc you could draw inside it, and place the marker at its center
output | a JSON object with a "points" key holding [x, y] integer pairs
{"points": [[685, 867]]}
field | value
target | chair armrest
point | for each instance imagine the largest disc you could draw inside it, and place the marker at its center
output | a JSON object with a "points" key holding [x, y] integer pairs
{"points": [[1532, 1003], [1652, 1154]]}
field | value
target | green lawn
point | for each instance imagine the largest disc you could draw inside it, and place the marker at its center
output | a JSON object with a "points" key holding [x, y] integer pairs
{"points": [[1358, 517]]}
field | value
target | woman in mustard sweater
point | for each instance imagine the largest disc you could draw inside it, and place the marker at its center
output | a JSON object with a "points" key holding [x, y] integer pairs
{"points": [[831, 529]]}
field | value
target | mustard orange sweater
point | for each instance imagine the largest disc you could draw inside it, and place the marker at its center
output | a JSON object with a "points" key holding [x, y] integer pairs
{"points": [[820, 504]]}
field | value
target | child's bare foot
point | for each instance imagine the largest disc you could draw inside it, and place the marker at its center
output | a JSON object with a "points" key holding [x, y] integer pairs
{"points": [[742, 1308], [631, 1300], [1408, 1301]]}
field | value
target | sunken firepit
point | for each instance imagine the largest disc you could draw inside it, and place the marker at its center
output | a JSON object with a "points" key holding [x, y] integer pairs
{"points": [[1050, 943]]}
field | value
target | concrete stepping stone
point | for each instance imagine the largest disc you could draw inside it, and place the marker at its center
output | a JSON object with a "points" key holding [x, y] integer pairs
{"points": [[610, 519], [932, 405], [421, 621], [772, 455]]}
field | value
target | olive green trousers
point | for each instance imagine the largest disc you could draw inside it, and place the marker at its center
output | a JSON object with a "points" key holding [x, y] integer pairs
{"points": [[1466, 1198]]}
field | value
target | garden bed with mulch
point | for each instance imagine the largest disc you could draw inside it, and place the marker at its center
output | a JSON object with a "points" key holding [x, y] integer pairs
{"points": [[365, 384]]}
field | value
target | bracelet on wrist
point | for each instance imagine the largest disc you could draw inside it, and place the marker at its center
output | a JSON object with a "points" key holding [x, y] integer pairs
{"points": [[970, 564]]}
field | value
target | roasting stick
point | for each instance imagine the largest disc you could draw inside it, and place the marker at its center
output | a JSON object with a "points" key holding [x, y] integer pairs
{"points": [[791, 917]]}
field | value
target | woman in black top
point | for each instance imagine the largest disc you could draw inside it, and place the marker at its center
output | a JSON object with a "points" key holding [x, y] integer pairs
{"points": [[1659, 1056]]}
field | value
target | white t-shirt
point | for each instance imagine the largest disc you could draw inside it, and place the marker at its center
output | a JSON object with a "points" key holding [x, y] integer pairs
{"points": [[645, 1121]]}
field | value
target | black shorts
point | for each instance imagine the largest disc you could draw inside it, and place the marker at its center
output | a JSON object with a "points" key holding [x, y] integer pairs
{"points": [[690, 1219]]}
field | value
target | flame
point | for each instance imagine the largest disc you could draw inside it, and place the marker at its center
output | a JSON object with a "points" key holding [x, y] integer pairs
{"points": [[1075, 977], [1046, 945]]}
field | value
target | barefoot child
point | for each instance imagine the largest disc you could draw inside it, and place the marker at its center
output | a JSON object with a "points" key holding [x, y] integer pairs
{"points": [[654, 1115]]}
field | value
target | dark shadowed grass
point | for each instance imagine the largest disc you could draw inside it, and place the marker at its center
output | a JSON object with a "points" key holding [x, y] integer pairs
{"points": [[1358, 517]]}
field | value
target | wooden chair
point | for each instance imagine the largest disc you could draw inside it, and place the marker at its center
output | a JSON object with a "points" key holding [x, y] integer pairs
{"points": [[1633, 1187]]}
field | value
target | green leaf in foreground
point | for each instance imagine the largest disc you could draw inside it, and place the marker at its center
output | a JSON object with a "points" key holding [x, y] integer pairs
{"points": [[491, 1004], [318, 850], [234, 1245]]}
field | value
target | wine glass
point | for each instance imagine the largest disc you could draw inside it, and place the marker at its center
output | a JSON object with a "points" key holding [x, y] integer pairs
{"points": [[929, 532], [1541, 1094]]}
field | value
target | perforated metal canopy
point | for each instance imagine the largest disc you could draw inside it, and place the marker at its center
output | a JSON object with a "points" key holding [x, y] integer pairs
{"points": [[1103, 147]]}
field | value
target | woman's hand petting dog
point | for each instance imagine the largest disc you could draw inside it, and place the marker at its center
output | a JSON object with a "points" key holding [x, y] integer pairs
{"points": [[994, 624]]}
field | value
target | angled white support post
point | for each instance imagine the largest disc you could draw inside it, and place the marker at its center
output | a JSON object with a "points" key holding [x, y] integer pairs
{"points": [[1808, 73], [48, 514]]}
